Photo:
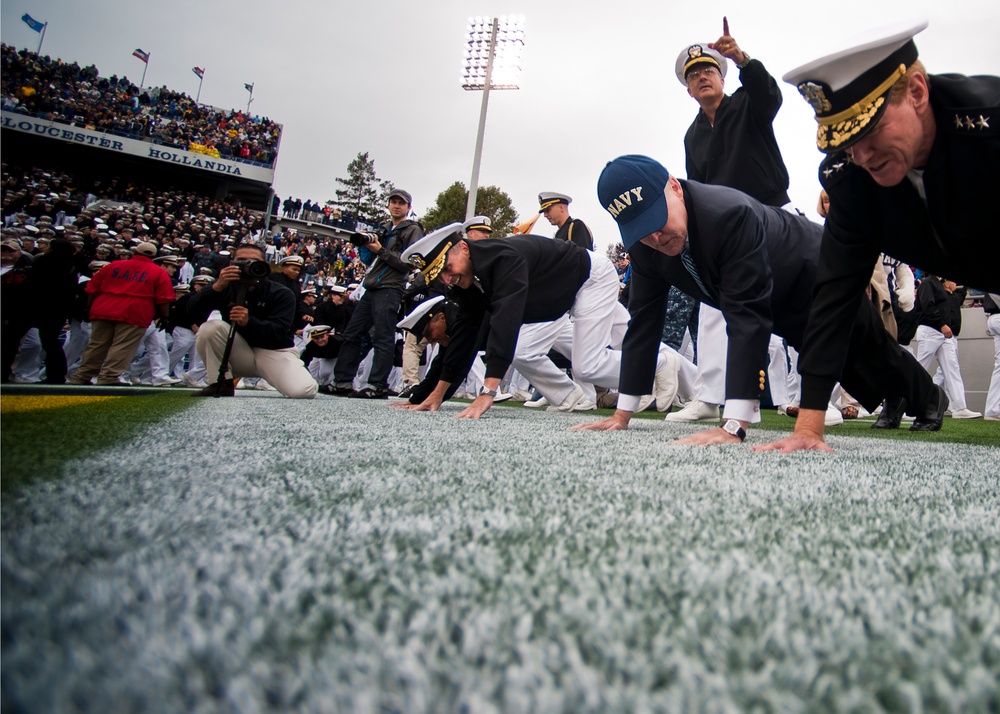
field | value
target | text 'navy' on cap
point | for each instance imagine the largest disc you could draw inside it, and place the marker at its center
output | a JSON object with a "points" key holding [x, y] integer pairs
{"points": [[631, 190]]}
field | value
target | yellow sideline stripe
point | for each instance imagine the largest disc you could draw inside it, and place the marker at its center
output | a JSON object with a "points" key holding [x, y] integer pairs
{"points": [[13, 403]]}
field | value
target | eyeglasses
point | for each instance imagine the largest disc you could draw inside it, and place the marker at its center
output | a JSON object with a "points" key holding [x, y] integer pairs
{"points": [[703, 72]]}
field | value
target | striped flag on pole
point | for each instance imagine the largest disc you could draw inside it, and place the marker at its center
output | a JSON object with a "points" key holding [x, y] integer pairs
{"points": [[199, 71], [144, 56], [33, 23]]}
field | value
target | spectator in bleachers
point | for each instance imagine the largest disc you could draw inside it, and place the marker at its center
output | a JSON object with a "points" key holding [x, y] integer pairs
{"points": [[64, 93]]}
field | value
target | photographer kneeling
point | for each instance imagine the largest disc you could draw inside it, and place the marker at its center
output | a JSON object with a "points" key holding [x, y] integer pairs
{"points": [[261, 313]]}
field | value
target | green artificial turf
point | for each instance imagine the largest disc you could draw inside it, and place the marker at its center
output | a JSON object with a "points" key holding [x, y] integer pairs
{"points": [[266, 554], [37, 443], [955, 431]]}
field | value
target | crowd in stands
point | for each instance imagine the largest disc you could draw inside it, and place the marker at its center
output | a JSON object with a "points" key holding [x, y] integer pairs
{"points": [[327, 214], [66, 93], [106, 217]]}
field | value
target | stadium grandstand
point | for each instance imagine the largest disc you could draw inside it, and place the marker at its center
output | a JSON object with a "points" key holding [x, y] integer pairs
{"points": [[59, 114]]}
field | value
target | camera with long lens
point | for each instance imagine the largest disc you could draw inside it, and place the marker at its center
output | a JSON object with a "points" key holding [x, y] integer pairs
{"points": [[363, 238], [252, 271]]}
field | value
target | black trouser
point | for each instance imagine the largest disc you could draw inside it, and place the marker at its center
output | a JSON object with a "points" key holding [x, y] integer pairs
{"points": [[878, 367]]}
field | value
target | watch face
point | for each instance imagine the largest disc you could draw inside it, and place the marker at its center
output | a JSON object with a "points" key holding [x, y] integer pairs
{"points": [[732, 427]]}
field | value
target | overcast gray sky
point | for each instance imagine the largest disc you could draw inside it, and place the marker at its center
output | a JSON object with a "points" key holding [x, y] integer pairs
{"points": [[384, 77]]}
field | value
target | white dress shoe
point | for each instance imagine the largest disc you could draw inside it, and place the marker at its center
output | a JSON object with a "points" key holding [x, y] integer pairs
{"points": [[536, 403], [965, 414], [695, 412]]}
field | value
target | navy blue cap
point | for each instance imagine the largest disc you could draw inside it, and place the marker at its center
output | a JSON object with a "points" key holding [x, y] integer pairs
{"points": [[631, 190]]}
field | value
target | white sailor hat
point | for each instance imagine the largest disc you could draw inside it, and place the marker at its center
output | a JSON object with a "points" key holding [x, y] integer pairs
{"points": [[850, 90], [429, 253], [181, 287], [478, 223], [419, 317], [547, 199], [338, 289], [319, 331], [292, 260], [698, 54], [308, 291], [199, 279]]}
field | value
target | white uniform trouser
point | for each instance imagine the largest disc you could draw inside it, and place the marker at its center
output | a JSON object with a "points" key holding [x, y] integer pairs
{"points": [[777, 371], [321, 368], [27, 366], [713, 351], [536, 336], [598, 326], [932, 343], [183, 345], [993, 395], [76, 343], [282, 368], [152, 365], [713, 346]]}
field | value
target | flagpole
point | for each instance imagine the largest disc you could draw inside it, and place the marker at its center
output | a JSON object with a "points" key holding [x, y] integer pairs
{"points": [[41, 40], [200, 80], [145, 66], [249, 101]]}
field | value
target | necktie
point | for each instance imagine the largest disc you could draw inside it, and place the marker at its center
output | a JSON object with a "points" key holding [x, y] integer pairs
{"points": [[688, 262]]}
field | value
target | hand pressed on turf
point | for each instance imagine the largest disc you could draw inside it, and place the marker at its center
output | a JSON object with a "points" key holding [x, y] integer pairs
{"points": [[479, 406], [808, 435], [616, 422], [708, 438]]}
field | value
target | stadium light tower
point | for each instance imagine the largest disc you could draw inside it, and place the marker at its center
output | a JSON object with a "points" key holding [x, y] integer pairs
{"points": [[492, 61]]}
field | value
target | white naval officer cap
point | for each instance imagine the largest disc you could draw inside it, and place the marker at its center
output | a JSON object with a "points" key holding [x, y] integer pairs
{"points": [[547, 199], [849, 90], [699, 53]]}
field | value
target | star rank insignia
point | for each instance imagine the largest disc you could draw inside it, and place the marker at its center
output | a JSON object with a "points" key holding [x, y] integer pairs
{"points": [[983, 122], [958, 121]]}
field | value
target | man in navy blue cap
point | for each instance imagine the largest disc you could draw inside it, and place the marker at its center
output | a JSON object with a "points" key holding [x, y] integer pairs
{"points": [[753, 262], [911, 172]]}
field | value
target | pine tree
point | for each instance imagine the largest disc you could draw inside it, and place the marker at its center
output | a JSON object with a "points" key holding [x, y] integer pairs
{"points": [[362, 193]]}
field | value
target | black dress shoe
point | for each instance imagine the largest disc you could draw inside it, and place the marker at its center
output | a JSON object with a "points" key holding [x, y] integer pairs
{"points": [[893, 409], [933, 416], [407, 391], [370, 393], [225, 388], [339, 391]]}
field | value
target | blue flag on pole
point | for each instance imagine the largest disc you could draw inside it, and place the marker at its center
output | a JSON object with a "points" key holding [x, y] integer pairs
{"points": [[248, 87], [33, 23]]}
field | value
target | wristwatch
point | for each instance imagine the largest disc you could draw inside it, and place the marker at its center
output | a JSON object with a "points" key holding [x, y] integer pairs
{"points": [[491, 392], [733, 427], [746, 60]]}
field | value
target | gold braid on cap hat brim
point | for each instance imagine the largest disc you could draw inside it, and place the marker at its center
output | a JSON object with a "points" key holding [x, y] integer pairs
{"points": [[837, 128], [434, 269]]}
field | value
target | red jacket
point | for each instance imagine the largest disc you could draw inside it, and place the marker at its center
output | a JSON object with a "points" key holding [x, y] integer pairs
{"points": [[129, 291]]}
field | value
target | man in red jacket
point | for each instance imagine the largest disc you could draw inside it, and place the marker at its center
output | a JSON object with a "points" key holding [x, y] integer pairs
{"points": [[124, 299]]}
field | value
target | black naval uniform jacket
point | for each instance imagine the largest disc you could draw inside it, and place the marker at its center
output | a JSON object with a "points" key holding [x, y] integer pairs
{"points": [[757, 263], [271, 307], [519, 280], [740, 150], [953, 234], [575, 231]]}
